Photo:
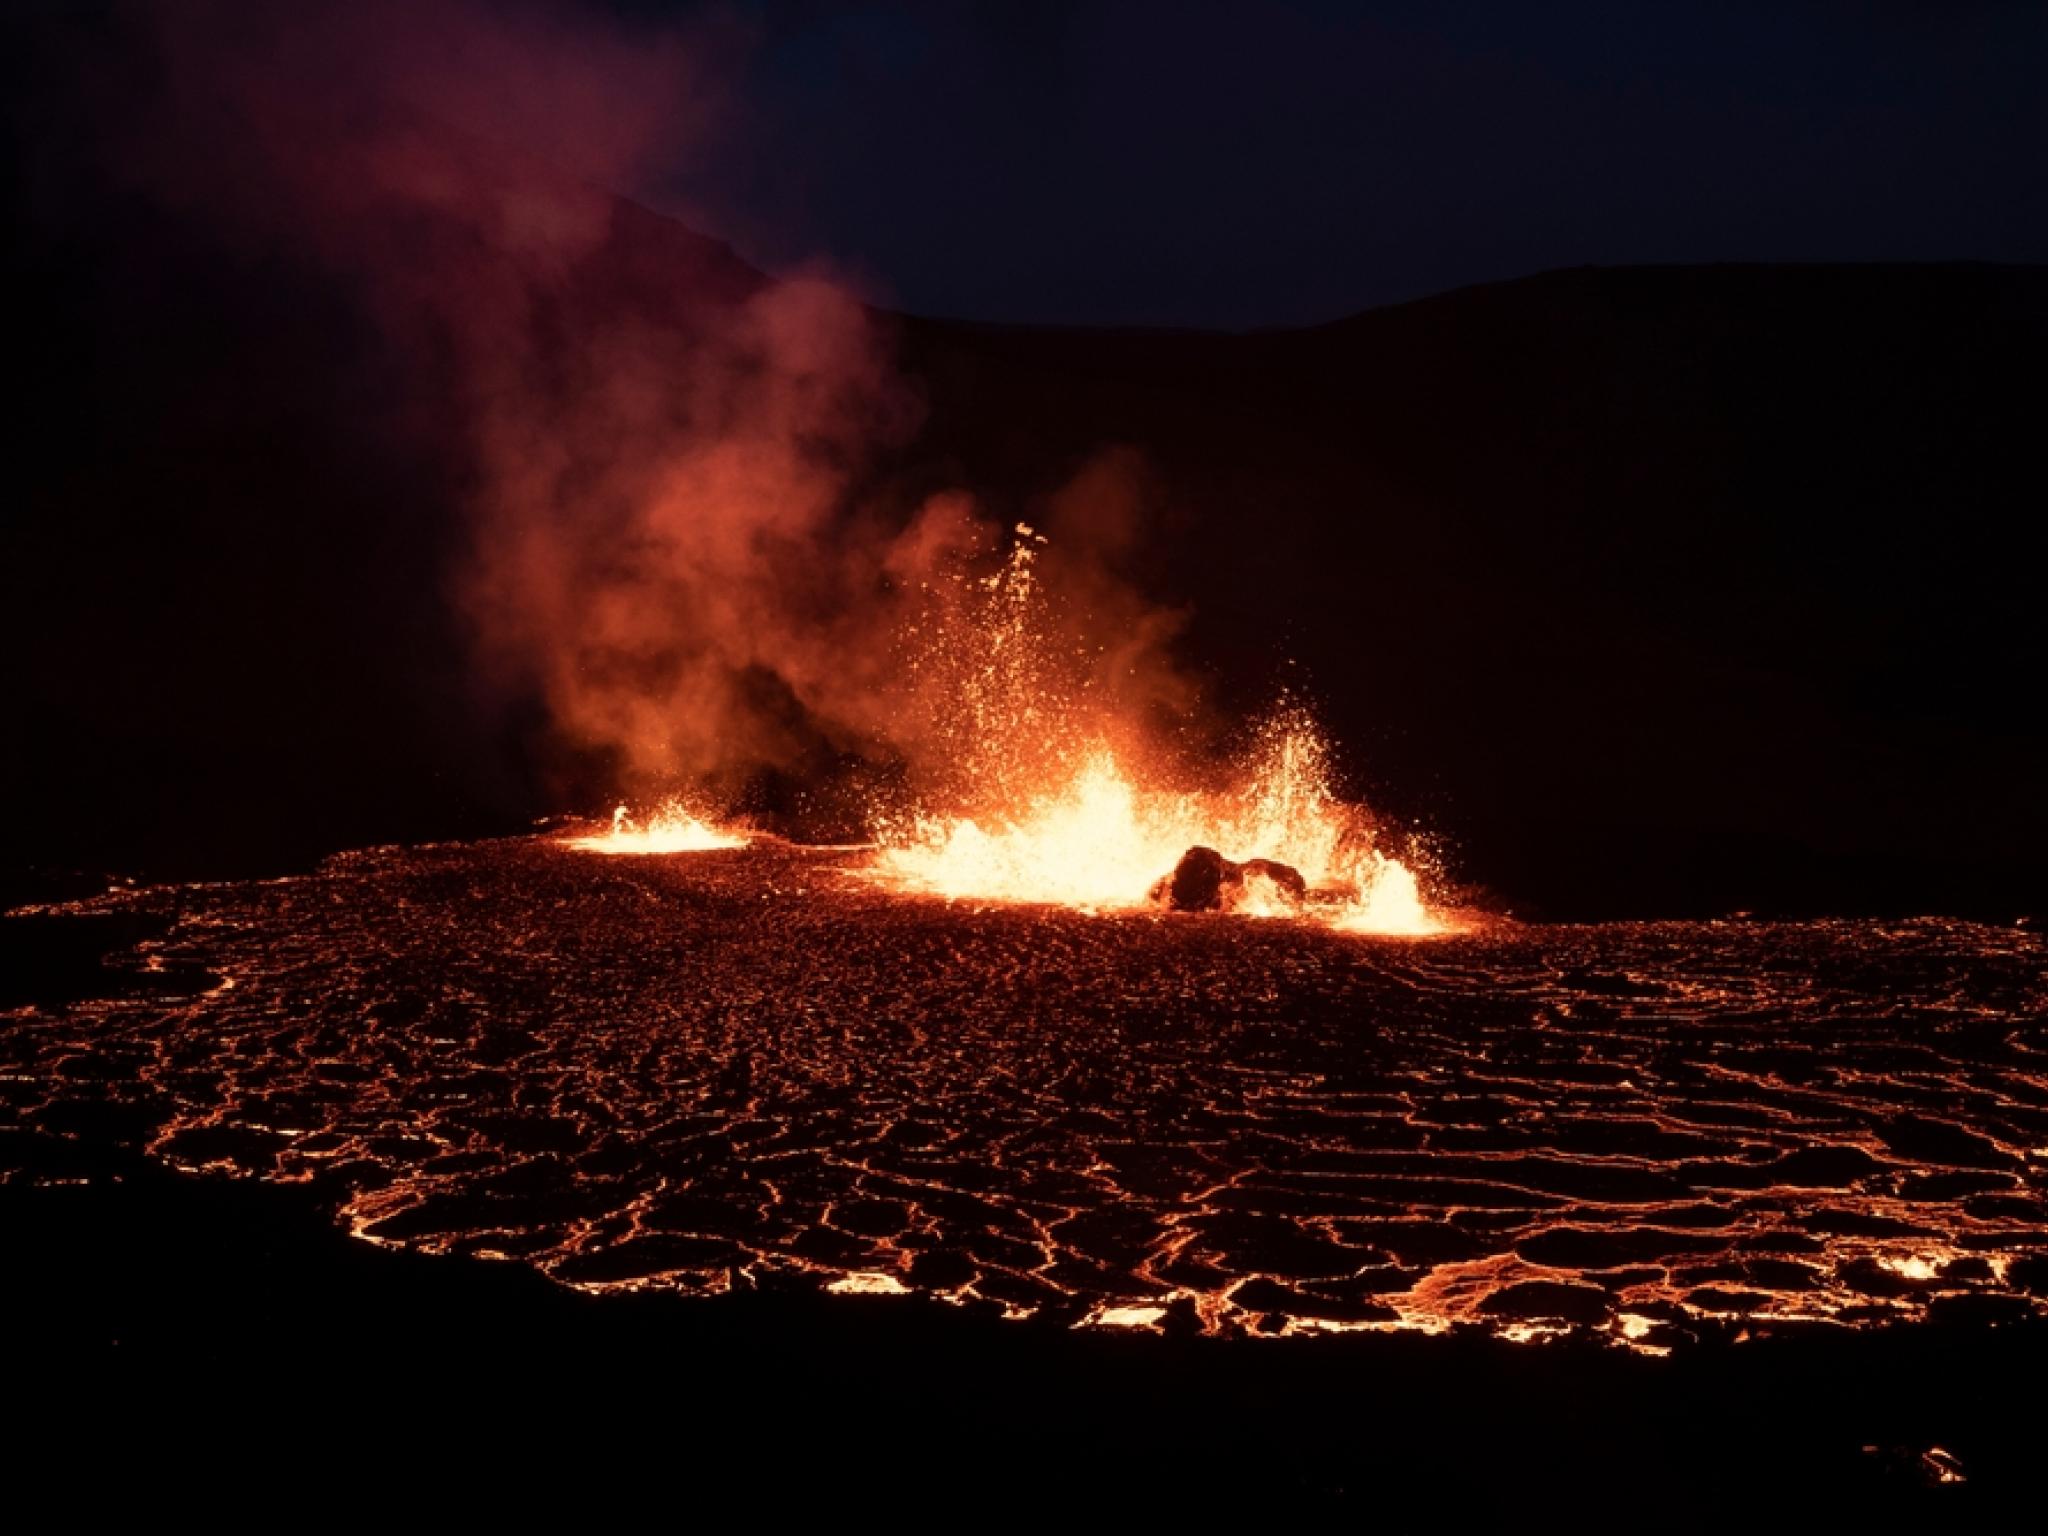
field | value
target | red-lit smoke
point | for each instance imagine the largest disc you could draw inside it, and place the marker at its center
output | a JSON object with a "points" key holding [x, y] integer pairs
{"points": [[671, 536]]}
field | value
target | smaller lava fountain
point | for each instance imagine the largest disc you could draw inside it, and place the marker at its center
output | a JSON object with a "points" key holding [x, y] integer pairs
{"points": [[669, 828], [1099, 840]]}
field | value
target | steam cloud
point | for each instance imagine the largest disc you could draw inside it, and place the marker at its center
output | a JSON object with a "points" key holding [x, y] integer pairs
{"points": [[676, 536]]}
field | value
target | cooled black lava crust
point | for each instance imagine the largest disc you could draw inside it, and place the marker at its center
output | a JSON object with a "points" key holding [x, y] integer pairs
{"points": [[723, 1070]]}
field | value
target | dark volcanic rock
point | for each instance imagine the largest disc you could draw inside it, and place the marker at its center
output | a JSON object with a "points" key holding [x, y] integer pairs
{"points": [[1205, 881], [1196, 884]]}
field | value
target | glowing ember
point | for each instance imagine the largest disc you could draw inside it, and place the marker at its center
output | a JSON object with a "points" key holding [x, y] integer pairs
{"points": [[1914, 1266], [669, 828], [864, 1283], [1941, 1465], [1045, 809], [1128, 1317]]}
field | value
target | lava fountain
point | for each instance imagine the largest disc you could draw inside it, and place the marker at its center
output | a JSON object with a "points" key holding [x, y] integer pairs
{"points": [[1045, 806], [669, 828]]}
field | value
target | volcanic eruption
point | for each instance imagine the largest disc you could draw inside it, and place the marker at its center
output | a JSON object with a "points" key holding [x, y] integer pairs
{"points": [[1019, 758], [1046, 796]]}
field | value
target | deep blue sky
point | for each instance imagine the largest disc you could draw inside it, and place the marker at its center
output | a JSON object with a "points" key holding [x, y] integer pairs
{"points": [[1245, 164]]}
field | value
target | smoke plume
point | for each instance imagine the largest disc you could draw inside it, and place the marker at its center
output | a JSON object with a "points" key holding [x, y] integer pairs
{"points": [[675, 537]]}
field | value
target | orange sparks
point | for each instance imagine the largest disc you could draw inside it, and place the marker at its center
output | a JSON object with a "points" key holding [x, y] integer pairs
{"points": [[1045, 809]]}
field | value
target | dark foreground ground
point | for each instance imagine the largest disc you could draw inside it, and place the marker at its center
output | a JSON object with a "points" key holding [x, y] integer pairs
{"points": [[217, 1347]]}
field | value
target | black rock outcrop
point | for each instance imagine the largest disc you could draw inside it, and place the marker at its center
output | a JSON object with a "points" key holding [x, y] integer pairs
{"points": [[1205, 881]]}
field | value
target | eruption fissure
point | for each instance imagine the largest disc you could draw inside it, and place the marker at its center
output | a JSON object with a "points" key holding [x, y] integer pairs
{"points": [[1050, 797], [1029, 784]]}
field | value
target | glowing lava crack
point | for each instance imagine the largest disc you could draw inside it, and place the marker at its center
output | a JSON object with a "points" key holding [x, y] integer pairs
{"points": [[691, 1073]]}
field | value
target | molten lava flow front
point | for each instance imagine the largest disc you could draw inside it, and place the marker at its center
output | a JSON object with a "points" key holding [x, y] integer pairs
{"points": [[669, 828]]}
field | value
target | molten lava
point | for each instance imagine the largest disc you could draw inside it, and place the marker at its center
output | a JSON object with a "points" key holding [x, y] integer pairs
{"points": [[1043, 808], [669, 828], [1098, 840], [724, 1072]]}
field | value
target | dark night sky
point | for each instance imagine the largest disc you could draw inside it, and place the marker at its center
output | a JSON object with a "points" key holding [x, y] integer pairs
{"points": [[1241, 165]]}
